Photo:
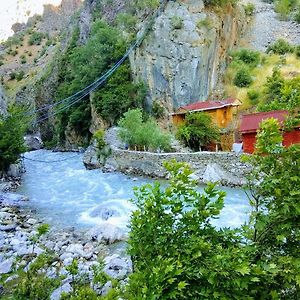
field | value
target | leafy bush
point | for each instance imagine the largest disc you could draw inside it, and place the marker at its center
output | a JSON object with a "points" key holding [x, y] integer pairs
{"points": [[23, 59], [280, 47], [198, 131], [249, 9], [12, 75], [253, 96], [280, 93], [20, 75], [136, 132], [206, 23], [99, 137], [158, 110], [176, 22], [247, 56], [36, 38], [178, 254], [242, 78], [297, 50], [12, 130], [283, 8]]}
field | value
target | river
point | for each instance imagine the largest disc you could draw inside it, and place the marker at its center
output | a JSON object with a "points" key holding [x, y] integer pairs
{"points": [[64, 194]]}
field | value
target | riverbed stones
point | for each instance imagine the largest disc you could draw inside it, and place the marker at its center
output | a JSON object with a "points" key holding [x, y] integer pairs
{"points": [[106, 233], [65, 288], [117, 267], [6, 266]]}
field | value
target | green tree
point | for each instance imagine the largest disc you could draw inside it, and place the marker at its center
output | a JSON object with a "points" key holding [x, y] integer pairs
{"points": [[12, 130], [136, 132], [243, 78], [198, 131]]}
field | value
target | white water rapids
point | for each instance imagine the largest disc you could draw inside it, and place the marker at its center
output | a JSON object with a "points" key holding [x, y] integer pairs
{"points": [[64, 194]]}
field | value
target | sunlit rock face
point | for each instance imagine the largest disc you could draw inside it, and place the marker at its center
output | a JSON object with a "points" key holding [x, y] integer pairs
{"points": [[181, 64]]}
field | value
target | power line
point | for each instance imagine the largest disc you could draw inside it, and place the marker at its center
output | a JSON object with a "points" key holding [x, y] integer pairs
{"points": [[94, 85]]}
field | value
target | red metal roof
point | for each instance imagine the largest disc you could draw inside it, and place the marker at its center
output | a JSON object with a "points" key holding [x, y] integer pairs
{"points": [[251, 122], [207, 105]]}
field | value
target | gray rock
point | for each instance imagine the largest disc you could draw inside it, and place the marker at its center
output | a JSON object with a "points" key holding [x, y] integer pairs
{"points": [[106, 233], [65, 288], [33, 142], [104, 212], [116, 267], [6, 266], [106, 288], [10, 227]]}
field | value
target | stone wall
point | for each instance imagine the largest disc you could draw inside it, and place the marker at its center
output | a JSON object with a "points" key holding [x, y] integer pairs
{"points": [[223, 167]]}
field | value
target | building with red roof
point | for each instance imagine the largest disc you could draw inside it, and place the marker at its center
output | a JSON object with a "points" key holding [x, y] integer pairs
{"points": [[222, 113], [250, 124]]}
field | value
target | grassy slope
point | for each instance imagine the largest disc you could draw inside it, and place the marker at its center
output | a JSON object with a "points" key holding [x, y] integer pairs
{"points": [[289, 70]]}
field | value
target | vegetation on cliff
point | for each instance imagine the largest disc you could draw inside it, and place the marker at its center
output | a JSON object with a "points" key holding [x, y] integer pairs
{"points": [[265, 81], [12, 130]]}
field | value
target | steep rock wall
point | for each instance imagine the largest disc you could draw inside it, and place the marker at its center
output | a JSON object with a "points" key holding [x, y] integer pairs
{"points": [[182, 66]]}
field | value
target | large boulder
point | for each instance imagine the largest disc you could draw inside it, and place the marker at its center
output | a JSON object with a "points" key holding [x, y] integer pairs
{"points": [[107, 233], [117, 267], [65, 288], [33, 142], [6, 266]]}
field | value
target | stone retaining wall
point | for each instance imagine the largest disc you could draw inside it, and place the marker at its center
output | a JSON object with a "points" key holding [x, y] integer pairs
{"points": [[223, 167]]}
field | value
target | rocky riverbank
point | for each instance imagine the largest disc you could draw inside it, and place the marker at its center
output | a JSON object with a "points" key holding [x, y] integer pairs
{"points": [[18, 226]]}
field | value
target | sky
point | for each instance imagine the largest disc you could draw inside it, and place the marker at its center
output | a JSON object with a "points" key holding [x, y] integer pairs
{"points": [[13, 11]]}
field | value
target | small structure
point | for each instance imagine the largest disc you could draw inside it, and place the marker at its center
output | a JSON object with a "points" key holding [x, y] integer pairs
{"points": [[250, 124], [223, 115], [221, 111]]}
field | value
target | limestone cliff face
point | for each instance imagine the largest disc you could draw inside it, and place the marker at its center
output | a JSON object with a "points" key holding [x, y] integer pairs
{"points": [[181, 64], [2, 102]]}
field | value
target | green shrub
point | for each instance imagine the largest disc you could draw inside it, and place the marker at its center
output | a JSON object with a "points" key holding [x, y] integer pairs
{"points": [[297, 15], [12, 75], [20, 75], [253, 96], [135, 132], [280, 47], [198, 131], [247, 56], [35, 38], [297, 51], [99, 137], [249, 9], [283, 8], [206, 23], [1, 63], [176, 22], [242, 78], [23, 59], [158, 111]]}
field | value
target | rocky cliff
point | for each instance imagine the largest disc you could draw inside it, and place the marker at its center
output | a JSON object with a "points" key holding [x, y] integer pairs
{"points": [[2, 102], [182, 58]]}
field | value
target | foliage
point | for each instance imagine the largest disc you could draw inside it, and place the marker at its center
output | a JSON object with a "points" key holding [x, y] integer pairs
{"points": [[99, 137], [36, 38], [20, 75], [284, 8], [269, 138], [206, 22], [280, 47], [178, 254], [198, 131], [243, 78], [249, 9], [82, 65], [158, 110], [176, 22], [253, 96], [136, 132], [12, 130], [247, 56], [280, 93]]}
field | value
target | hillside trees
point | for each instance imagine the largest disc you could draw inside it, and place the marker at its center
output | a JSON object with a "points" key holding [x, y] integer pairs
{"points": [[12, 130], [142, 134], [84, 64]]}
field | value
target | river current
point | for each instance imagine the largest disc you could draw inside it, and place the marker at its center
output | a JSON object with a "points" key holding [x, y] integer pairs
{"points": [[64, 194]]}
